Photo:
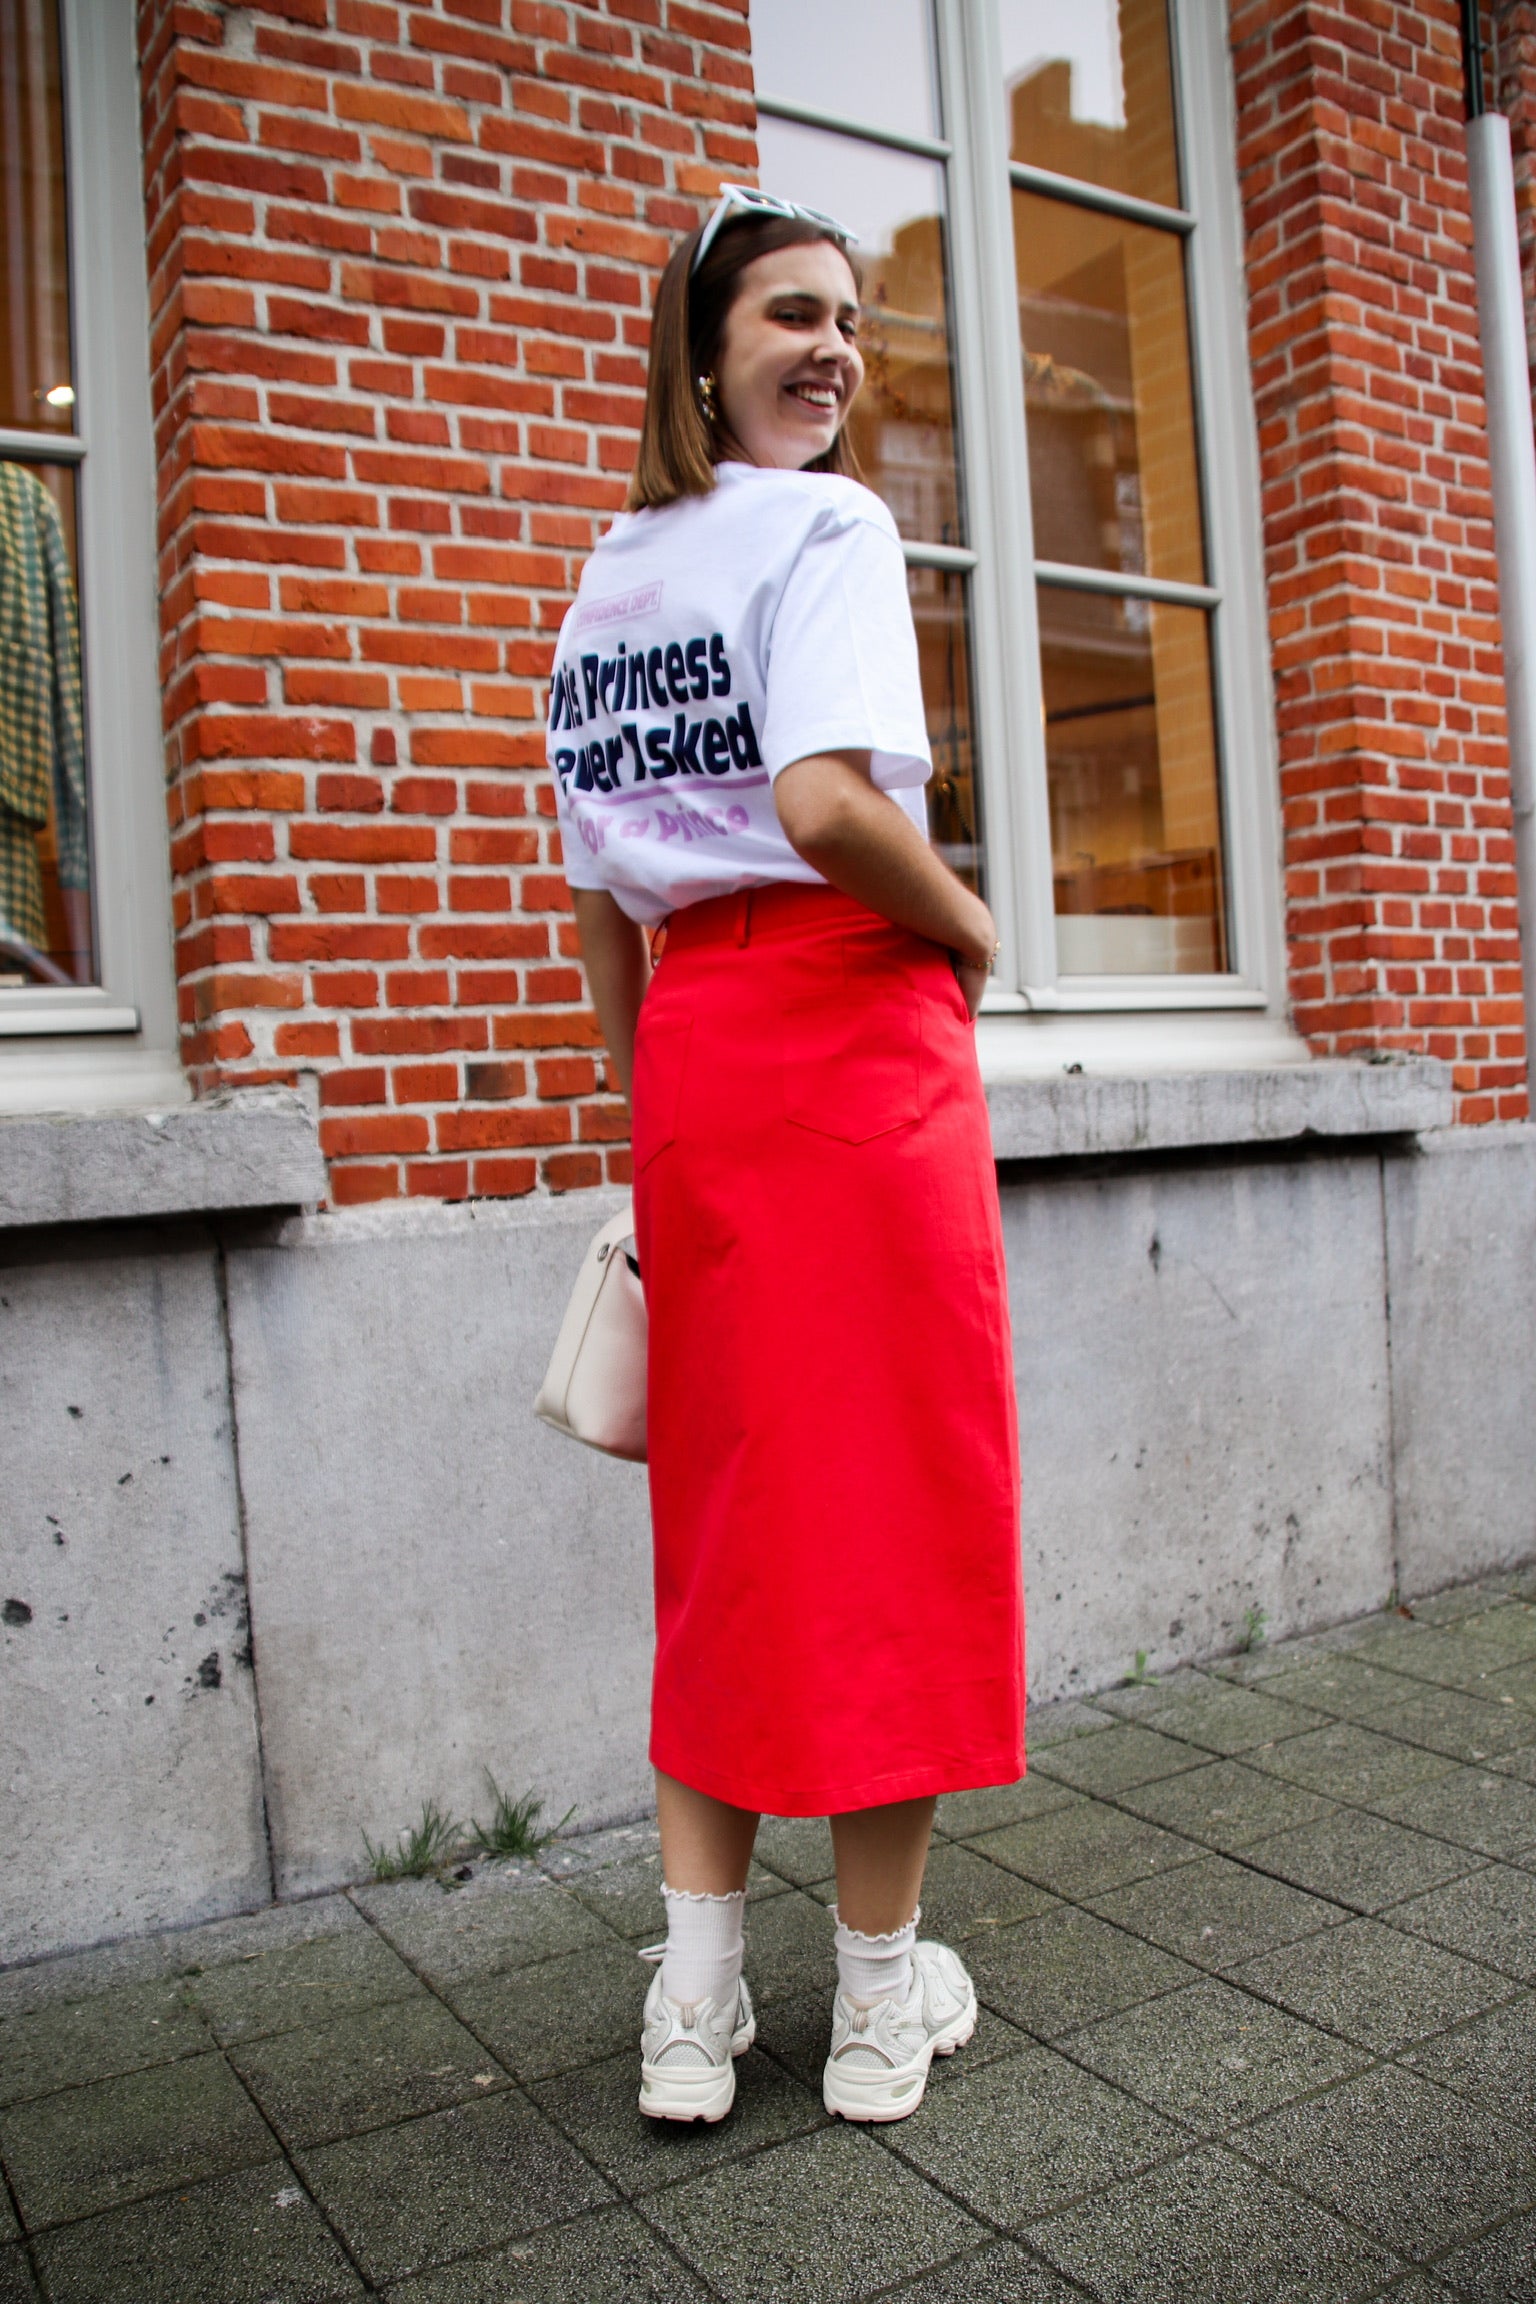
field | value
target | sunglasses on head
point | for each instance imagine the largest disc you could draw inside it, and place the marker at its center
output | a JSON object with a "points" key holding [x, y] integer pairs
{"points": [[746, 200]]}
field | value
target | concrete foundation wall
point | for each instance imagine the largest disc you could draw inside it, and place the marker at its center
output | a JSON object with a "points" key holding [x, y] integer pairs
{"points": [[1287, 1381]]}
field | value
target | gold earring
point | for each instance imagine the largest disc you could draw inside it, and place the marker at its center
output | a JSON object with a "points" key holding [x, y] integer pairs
{"points": [[706, 391]]}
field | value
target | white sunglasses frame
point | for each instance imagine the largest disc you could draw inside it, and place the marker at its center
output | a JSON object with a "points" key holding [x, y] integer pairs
{"points": [[746, 200]]}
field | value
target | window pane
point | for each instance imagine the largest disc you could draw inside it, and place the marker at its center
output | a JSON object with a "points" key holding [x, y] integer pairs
{"points": [[939, 610], [1090, 92], [35, 366], [1113, 476], [1130, 745], [903, 423], [44, 845], [869, 60]]}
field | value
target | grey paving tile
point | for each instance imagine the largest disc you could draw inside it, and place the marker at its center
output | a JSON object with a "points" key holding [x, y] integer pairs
{"points": [[963, 1813], [277, 1928], [789, 1948], [798, 1848], [1459, 1601], [1348, 1762], [382, 2065], [1087, 1848], [1372, 1985], [1208, 2230], [252, 2238], [1016, 2138], [118, 2140], [1061, 1723], [1521, 1765], [1445, 1720], [1510, 1628], [9, 2228], [1212, 2056], [1143, 1699], [833, 2216], [1359, 1860], [1064, 1969], [1122, 1756], [1227, 1720], [82, 1975], [17, 2285], [1001, 2274], [1511, 1684], [1445, 1656], [1490, 1812], [314, 1983], [597, 2108], [964, 1893], [1492, 2059], [1407, 2162], [797, 2032], [1489, 1915], [1500, 2268], [589, 1851], [1225, 1805], [609, 2257], [68, 2041], [484, 1930], [412, 2196], [1216, 1913], [560, 2015]]}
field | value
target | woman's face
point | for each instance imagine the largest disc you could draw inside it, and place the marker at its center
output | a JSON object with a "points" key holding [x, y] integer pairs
{"points": [[788, 366]]}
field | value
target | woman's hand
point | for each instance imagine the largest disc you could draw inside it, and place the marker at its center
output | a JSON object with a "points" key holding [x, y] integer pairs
{"points": [[973, 983]]}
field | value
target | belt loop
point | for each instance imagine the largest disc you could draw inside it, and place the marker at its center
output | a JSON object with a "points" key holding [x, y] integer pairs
{"points": [[744, 916]]}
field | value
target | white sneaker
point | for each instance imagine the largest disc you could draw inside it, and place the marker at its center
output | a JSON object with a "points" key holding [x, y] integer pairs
{"points": [[878, 2065], [686, 2052]]}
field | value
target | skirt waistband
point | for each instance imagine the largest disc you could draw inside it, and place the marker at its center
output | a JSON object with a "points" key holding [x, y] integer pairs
{"points": [[782, 908]]}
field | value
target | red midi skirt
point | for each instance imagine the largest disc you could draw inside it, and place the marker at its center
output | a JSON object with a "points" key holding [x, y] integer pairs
{"points": [[832, 1424]]}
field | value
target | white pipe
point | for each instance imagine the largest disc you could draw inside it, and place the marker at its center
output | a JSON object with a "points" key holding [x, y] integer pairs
{"points": [[1512, 460]]}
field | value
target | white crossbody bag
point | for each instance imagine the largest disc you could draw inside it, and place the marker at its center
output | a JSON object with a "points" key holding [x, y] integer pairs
{"points": [[595, 1386]]}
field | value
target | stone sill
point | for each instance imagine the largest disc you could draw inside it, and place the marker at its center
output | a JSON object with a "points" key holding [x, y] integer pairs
{"points": [[257, 1148], [1071, 1116]]}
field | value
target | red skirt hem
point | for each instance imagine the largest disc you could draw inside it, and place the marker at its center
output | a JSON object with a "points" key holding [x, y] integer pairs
{"points": [[976, 1774]]}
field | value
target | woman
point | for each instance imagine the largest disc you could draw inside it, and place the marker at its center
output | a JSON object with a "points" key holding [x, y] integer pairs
{"points": [[739, 748]]}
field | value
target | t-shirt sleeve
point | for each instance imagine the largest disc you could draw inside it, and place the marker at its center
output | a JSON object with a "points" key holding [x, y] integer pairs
{"points": [[842, 658]]}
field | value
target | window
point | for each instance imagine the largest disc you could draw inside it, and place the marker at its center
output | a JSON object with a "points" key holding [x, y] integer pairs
{"points": [[1057, 413], [86, 1012]]}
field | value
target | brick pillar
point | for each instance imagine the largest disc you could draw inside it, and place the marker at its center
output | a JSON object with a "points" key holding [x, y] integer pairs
{"points": [[1513, 89], [401, 267], [1378, 537]]}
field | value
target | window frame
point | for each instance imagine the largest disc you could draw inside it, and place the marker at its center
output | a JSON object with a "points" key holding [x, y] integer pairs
{"points": [[114, 1043], [1002, 572]]}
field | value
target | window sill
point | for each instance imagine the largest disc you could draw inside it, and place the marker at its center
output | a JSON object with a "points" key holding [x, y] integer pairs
{"points": [[1067, 1116], [259, 1149]]}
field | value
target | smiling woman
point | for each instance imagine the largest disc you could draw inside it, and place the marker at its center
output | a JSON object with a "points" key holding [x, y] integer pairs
{"points": [[738, 740]]}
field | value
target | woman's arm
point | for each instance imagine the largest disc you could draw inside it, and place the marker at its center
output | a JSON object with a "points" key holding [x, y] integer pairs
{"points": [[618, 960], [864, 843]]}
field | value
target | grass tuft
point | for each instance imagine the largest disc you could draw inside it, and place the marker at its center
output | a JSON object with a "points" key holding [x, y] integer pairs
{"points": [[1138, 1676], [513, 1829], [420, 1849], [1255, 1629]]}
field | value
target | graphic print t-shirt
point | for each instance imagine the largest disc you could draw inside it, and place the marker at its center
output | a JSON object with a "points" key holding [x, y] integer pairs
{"points": [[712, 643]]}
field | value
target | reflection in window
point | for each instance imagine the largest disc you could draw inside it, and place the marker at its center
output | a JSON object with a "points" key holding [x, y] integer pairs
{"points": [[1090, 92], [1130, 740], [1108, 392], [45, 906], [903, 422], [943, 648]]}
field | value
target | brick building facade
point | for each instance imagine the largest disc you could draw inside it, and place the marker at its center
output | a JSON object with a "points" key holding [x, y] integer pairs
{"points": [[293, 1187]]}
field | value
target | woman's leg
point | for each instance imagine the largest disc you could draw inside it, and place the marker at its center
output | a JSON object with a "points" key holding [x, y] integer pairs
{"points": [[706, 1846], [880, 1857]]}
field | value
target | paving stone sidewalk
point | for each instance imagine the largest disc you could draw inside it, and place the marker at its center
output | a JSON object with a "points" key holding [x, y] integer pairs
{"points": [[1256, 1948]]}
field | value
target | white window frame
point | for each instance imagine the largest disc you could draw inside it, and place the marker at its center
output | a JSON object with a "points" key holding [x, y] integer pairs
{"points": [[112, 1045], [1035, 1019]]}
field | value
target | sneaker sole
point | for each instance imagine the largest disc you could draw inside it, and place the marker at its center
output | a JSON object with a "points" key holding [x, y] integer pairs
{"points": [[689, 2096], [894, 2095]]}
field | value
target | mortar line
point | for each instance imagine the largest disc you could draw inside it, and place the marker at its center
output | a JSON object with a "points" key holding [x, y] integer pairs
{"points": [[245, 1564]]}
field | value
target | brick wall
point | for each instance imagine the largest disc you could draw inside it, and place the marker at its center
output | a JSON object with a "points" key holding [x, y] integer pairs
{"points": [[1378, 536], [1511, 58], [401, 260]]}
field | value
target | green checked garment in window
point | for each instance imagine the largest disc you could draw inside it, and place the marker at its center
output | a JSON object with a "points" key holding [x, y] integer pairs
{"points": [[42, 716]]}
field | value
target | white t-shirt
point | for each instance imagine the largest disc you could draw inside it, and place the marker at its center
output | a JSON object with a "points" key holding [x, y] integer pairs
{"points": [[713, 642]]}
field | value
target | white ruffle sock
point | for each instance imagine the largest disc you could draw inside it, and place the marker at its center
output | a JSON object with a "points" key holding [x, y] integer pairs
{"points": [[871, 1968], [704, 1947]]}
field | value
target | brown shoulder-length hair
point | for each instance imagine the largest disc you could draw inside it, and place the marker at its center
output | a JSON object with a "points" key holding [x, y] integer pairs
{"points": [[678, 449]]}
